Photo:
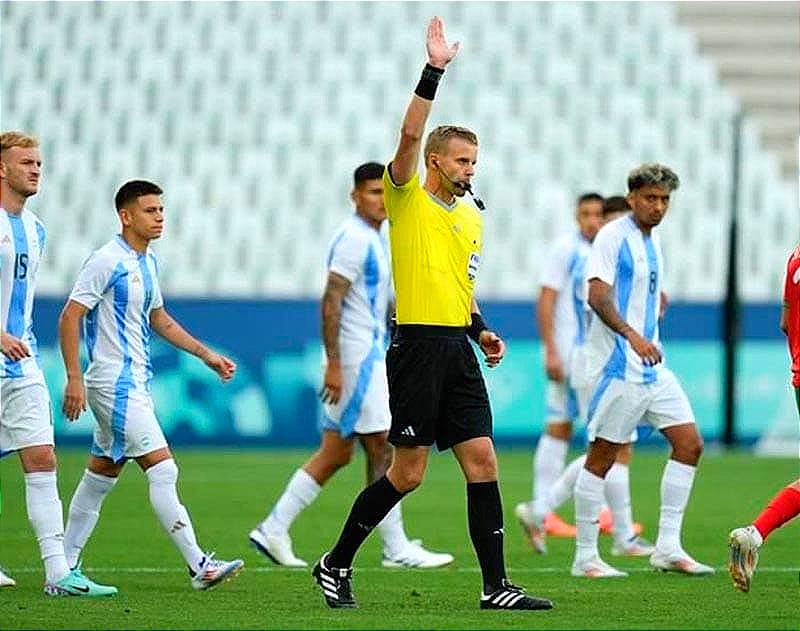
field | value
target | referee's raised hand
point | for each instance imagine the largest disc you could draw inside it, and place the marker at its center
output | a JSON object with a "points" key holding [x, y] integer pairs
{"points": [[493, 347], [440, 53]]}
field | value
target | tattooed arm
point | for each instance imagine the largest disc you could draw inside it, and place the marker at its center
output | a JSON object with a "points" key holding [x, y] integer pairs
{"points": [[602, 302]]}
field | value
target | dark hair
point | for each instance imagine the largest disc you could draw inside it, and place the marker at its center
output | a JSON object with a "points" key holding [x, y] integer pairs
{"points": [[133, 190], [615, 204], [368, 171], [653, 174], [590, 197]]}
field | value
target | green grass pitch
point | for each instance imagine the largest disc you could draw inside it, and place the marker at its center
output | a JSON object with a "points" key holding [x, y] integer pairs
{"points": [[227, 492]]}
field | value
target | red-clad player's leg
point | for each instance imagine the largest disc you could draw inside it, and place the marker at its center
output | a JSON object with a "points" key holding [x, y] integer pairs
{"points": [[783, 507]]}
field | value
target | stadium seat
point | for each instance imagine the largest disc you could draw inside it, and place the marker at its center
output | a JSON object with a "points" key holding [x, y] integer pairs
{"points": [[263, 110]]}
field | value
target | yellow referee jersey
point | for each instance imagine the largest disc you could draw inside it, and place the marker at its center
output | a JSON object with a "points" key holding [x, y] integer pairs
{"points": [[436, 253]]}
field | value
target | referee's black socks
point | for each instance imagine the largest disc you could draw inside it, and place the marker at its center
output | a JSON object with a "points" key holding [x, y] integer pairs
{"points": [[485, 515], [370, 507]]}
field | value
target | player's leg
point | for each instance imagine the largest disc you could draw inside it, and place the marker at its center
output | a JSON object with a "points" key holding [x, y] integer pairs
{"points": [[162, 477], [27, 429], [551, 451], [398, 550], [98, 479], [27, 417], [627, 541], [745, 542], [333, 571], [271, 536], [45, 511], [614, 409], [478, 462], [671, 413]]}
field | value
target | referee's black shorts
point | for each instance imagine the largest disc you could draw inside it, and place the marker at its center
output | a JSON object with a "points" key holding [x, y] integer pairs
{"points": [[436, 389]]}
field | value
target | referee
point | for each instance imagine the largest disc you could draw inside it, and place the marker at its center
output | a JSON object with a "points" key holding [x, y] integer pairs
{"points": [[436, 390]]}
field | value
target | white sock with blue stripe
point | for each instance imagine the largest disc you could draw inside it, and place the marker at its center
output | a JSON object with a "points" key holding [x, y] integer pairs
{"points": [[171, 513], [299, 493], [47, 519], [84, 510]]}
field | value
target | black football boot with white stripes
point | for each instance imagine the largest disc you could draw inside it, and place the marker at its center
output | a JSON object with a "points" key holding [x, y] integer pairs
{"points": [[335, 584], [512, 597]]}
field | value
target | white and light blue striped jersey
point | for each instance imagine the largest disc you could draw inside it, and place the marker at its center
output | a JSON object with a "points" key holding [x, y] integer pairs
{"points": [[563, 273], [22, 239], [361, 254], [120, 288], [631, 262]]}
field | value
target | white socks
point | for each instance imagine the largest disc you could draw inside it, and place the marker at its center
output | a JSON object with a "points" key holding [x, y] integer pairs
{"points": [[588, 501], [171, 513], [84, 510], [47, 519], [392, 533], [676, 485], [548, 463], [564, 487], [618, 496], [299, 493]]}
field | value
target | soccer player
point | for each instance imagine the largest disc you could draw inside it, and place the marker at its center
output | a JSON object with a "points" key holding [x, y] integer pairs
{"points": [[355, 392], [627, 541], [26, 422], [117, 292], [745, 542], [624, 271], [436, 390], [558, 326]]}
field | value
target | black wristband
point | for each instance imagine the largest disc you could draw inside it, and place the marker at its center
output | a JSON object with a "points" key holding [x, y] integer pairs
{"points": [[428, 82], [478, 325]]}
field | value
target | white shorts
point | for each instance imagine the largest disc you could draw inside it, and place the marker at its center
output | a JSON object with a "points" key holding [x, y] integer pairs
{"points": [[364, 405], [617, 407], [562, 403], [26, 419], [126, 425]]}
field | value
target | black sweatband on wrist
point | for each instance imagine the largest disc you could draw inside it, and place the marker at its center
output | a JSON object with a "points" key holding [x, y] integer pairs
{"points": [[476, 327], [428, 82]]}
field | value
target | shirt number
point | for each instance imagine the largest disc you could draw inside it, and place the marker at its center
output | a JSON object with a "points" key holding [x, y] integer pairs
{"points": [[21, 266]]}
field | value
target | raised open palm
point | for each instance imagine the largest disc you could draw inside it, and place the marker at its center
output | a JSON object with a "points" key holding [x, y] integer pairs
{"points": [[440, 53]]}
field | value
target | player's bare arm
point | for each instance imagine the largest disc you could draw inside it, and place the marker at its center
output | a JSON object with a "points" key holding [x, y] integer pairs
{"points": [[332, 299], [69, 337], [167, 327], [602, 301], [406, 158], [13, 347], [545, 310], [492, 345]]}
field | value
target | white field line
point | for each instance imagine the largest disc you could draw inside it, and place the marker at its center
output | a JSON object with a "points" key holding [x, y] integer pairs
{"points": [[360, 570]]}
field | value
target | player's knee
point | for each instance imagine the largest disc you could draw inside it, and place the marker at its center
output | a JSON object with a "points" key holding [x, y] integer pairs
{"points": [[163, 473], [690, 450], [481, 466], [405, 479], [41, 458]]}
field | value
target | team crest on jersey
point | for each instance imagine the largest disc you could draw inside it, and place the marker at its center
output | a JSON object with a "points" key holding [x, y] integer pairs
{"points": [[6, 240], [136, 279]]}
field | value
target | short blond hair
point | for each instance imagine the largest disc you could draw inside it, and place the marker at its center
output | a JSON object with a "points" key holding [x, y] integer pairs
{"points": [[439, 137], [10, 139]]}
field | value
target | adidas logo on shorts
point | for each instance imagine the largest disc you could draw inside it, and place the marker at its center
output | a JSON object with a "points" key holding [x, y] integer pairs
{"points": [[408, 431]]}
